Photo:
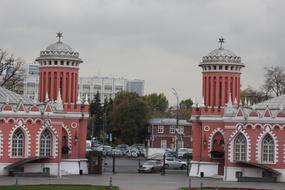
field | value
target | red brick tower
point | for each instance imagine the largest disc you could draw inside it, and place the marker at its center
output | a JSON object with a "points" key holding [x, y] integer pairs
{"points": [[221, 77], [59, 66], [221, 87]]}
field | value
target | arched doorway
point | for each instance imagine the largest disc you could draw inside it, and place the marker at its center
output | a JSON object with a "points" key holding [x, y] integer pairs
{"points": [[218, 151], [65, 148]]}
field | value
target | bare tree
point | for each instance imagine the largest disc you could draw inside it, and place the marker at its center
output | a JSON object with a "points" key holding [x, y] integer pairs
{"points": [[254, 96], [11, 72], [274, 80]]}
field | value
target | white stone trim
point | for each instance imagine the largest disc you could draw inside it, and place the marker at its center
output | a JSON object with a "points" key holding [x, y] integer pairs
{"points": [[231, 144], [210, 139], [1, 143], [266, 130], [54, 140], [27, 140], [69, 138]]}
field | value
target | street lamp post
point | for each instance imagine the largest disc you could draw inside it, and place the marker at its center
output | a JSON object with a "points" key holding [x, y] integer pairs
{"points": [[176, 128]]}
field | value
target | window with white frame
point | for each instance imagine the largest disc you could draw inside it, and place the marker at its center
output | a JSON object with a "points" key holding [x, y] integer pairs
{"points": [[240, 147], [268, 149], [45, 143], [18, 143], [181, 129], [163, 144], [160, 129], [172, 129]]}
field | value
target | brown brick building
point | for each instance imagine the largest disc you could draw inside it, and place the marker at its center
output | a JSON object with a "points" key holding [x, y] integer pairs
{"points": [[163, 133]]}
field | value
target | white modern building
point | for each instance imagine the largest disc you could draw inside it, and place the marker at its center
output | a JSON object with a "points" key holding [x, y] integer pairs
{"points": [[107, 87]]}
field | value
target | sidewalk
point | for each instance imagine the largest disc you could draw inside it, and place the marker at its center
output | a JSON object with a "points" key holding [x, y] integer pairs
{"points": [[140, 181]]}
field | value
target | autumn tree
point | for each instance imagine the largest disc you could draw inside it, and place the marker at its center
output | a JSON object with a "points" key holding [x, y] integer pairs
{"points": [[11, 72]]}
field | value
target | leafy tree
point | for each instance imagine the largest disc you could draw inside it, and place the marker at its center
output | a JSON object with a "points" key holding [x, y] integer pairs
{"points": [[11, 73], [96, 113], [128, 118], [274, 80], [157, 104], [186, 109]]}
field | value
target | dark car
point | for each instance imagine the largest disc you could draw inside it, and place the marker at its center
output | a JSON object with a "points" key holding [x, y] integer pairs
{"points": [[150, 166]]}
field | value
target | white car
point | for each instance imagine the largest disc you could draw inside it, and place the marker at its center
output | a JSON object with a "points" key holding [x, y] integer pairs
{"points": [[171, 162]]}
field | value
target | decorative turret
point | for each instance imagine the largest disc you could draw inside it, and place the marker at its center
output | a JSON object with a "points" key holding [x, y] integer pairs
{"points": [[221, 76], [59, 66]]}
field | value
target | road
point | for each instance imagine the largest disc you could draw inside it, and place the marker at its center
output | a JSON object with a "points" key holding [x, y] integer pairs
{"points": [[123, 165]]}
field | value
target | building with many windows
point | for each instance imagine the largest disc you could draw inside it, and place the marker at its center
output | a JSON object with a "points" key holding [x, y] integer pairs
{"points": [[46, 135], [107, 87], [163, 133], [238, 142]]}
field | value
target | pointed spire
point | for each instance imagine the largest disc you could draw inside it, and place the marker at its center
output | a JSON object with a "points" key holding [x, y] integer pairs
{"points": [[230, 103], [79, 101], [248, 102], [47, 98], [245, 101], [240, 103], [195, 103], [7, 100], [36, 96], [202, 102], [86, 100], [236, 102], [59, 105]]}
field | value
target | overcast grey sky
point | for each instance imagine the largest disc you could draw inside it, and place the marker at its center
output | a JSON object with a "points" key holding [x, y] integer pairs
{"points": [[159, 41]]}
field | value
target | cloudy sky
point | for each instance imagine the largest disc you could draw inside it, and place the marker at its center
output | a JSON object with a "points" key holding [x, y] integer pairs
{"points": [[159, 41]]}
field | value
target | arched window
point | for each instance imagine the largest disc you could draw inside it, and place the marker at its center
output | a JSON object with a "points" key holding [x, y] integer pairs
{"points": [[18, 143], [240, 148], [268, 149], [45, 143]]}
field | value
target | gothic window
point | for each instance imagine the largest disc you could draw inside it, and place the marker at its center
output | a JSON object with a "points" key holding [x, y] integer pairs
{"points": [[240, 148], [18, 143], [45, 143], [267, 149]]}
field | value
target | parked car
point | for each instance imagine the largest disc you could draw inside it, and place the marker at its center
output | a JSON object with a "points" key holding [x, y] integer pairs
{"points": [[107, 150], [140, 147], [171, 162], [117, 152], [170, 153], [183, 152], [123, 147], [150, 166], [133, 152]]}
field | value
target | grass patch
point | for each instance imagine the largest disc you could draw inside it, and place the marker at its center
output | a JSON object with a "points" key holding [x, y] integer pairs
{"points": [[55, 187]]}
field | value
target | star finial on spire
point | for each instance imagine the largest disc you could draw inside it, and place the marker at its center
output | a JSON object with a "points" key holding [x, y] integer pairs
{"points": [[221, 41], [59, 35]]}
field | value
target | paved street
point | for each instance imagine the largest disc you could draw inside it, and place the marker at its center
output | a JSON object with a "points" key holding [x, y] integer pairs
{"points": [[140, 181]]}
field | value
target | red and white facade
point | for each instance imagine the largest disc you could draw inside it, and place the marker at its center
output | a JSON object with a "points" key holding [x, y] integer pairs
{"points": [[47, 134], [229, 139]]}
